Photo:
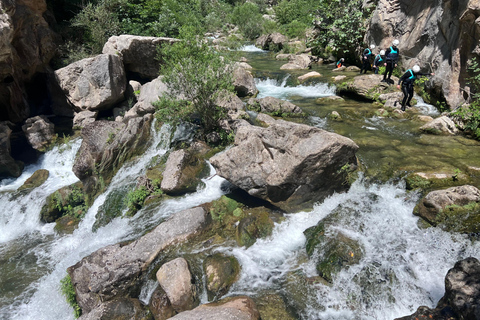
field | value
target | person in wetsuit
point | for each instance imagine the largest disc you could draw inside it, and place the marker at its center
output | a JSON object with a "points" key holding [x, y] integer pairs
{"points": [[367, 53], [340, 62], [378, 61], [391, 61], [407, 81]]}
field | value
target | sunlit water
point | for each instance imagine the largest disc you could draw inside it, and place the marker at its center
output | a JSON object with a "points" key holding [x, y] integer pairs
{"points": [[402, 268]]}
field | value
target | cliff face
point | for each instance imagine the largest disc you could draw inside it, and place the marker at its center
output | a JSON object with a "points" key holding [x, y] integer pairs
{"points": [[26, 46], [440, 36]]}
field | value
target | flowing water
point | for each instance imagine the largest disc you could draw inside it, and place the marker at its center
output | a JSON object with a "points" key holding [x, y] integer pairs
{"points": [[402, 268]]}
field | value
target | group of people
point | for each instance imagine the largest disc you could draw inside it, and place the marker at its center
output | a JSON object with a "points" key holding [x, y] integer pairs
{"points": [[389, 58]]}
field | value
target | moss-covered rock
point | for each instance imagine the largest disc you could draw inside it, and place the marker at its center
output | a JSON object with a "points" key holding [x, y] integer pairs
{"points": [[221, 272], [332, 251], [257, 224], [273, 307], [160, 306], [36, 180], [66, 224], [427, 181], [69, 200], [112, 207]]}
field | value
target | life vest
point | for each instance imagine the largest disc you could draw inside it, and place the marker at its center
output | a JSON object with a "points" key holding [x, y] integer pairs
{"points": [[393, 54], [339, 64], [413, 76], [379, 58]]}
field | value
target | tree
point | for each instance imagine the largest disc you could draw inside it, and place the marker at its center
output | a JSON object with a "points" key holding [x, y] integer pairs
{"points": [[195, 75]]}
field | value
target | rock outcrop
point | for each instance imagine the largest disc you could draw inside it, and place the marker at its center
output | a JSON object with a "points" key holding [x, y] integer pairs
{"points": [[244, 82], [93, 83], [139, 54], [442, 38], [442, 125], [287, 164], [27, 46], [274, 41], [115, 271], [8, 166], [105, 146], [273, 105]]}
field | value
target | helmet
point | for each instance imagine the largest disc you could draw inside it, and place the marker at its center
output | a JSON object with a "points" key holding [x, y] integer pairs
{"points": [[382, 52], [396, 42], [416, 68], [372, 46]]}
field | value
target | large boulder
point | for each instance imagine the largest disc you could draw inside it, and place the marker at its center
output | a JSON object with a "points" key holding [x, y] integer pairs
{"points": [[39, 132], [27, 46], [93, 83], [453, 209], [182, 172], [105, 147], [274, 41], [300, 61], [233, 104], [8, 166], [221, 272], [273, 105], [233, 308], [177, 282], [442, 36], [287, 164], [244, 83], [462, 294], [139, 54], [116, 270], [364, 86], [121, 308], [442, 125]]}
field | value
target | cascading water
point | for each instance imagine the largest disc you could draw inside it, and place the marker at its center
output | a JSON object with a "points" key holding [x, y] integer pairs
{"points": [[402, 266], [32, 265]]}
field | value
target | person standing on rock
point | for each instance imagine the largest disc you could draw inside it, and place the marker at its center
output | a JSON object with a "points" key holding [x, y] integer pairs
{"points": [[378, 61], [367, 53], [391, 57], [407, 81]]}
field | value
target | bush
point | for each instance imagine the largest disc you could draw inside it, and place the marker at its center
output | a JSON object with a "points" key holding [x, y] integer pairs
{"points": [[198, 74], [288, 11], [68, 291], [295, 29], [248, 19]]}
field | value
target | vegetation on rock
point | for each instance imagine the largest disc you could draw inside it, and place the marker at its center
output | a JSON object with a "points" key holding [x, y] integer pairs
{"points": [[68, 290]]}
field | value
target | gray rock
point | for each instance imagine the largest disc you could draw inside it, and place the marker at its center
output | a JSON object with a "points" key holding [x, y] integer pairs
{"points": [[244, 83], [149, 93], [139, 54], [121, 308], [287, 164], [274, 105], [94, 83], [39, 132], [265, 118], [181, 172], [175, 278], [235, 107], [83, 118], [441, 125], [301, 61], [310, 75], [160, 306], [115, 270], [236, 308], [274, 41], [365, 86]]}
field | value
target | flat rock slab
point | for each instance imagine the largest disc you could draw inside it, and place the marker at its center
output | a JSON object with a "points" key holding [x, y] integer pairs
{"points": [[115, 270]]}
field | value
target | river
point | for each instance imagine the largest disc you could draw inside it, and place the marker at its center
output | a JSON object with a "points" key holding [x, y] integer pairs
{"points": [[403, 266]]}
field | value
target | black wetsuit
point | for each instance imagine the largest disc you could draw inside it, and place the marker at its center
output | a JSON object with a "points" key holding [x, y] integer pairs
{"points": [[367, 53], [407, 81], [391, 57], [377, 62]]}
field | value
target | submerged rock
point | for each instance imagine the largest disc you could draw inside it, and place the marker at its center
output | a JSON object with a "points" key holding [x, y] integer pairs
{"points": [[453, 209], [287, 164], [233, 308], [115, 270]]}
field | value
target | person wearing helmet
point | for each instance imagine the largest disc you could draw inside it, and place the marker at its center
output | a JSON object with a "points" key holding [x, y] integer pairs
{"points": [[340, 62], [407, 81], [391, 61], [378, 61], [367, 54]]}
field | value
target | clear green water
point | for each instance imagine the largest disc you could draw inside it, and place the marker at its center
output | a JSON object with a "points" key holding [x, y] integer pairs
{"points": [[388, 145]]}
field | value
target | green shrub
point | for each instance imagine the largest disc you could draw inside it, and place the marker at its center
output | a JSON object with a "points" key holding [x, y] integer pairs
{"points": [[68, 290], [248, 19], [136, 197], [295, 29], [288, 11], [199, 74]]}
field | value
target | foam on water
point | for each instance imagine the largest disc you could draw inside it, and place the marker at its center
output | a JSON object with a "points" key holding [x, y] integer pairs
{"points": [[250, 48], [280, 90]]}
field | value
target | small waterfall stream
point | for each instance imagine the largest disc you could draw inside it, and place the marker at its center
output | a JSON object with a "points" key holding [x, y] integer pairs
{"points": [[403, 266]]}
